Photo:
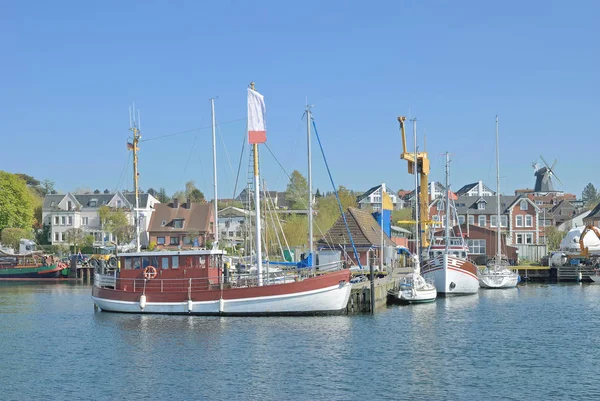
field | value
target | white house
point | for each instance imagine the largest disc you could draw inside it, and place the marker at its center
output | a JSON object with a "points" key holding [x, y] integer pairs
{"points": [[475, 189], [232, 225], [62, 212], [372, 198]]}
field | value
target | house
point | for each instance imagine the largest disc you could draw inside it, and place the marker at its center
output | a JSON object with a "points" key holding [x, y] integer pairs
{"points": [[575, 221], [273, 197], [62, 212], [366, 234], [400, 236], [233, 226], [518, 214], [186, 225], [434, 189], [475, 189], [593, 219], [372, 198]]}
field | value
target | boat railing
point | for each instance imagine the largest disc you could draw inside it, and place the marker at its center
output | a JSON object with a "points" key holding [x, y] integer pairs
{"points": [[232, 280]]}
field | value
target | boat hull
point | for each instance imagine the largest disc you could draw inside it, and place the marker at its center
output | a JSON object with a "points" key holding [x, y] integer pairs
{"points": [[417, 297], [38, 272], [327, 294], [452, 275]]}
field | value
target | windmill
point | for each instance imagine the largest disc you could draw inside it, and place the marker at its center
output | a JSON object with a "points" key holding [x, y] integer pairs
{"points": [[543, 176]]}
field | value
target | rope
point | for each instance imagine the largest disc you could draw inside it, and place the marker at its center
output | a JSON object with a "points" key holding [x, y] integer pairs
{"points": [[189, 130], [336, 194]]}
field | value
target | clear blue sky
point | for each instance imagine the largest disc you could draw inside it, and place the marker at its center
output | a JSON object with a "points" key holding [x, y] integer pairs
{"points": [[71, 69]]}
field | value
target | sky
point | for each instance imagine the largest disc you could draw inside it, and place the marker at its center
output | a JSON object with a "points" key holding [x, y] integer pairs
{"points": [[72, 69]]}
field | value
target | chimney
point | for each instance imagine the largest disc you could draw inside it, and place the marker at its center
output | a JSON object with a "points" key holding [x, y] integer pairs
{"points": [[175, 203], [480, 188], [188, 203]]}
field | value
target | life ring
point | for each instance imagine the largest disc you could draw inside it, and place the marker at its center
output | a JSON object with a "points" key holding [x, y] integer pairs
{"points": [[149, 272]]}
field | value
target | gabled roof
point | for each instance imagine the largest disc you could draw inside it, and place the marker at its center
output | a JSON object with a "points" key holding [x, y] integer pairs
{"points": [[522, 197], [364, 229], [101, 199], [468, 204], [595, 212], [196, 217], [466, 188], [364, 195], [231, 211]]}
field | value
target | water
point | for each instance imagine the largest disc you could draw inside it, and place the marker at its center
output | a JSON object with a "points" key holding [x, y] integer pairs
{"points": [[534, 342]]}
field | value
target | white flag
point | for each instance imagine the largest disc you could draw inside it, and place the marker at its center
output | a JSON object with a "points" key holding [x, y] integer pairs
{"points": [[257, 128]]}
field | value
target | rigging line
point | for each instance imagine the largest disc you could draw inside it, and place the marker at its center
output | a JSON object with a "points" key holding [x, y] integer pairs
{"points": [[271, 209], [122, 176], [189, 130], [224, 147], [189, 157], [336, 194], [237, 177]]}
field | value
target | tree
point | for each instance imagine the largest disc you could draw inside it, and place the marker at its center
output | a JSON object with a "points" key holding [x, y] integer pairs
{"points": [[590, 195], [75, 237], [553, 237], [12, 236], [117, 222], [96, 191], [234, 203], [192, 193], [191, 235], [297, 191], [47, 187], [16, 202], [152, 192], [162, 196], [318, 194], [180, 196]]}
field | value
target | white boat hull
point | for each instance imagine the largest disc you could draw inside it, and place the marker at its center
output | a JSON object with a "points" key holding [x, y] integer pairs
{"points": [[452, 275], [417, 296], [324, 300], [595, 279]]}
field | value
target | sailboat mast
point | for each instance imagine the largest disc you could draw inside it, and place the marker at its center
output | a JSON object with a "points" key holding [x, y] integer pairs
{"points": [[447, 213], [310, 204], [136, 138], [214, 143], [416, 196], [257, 210], [498, 241]]}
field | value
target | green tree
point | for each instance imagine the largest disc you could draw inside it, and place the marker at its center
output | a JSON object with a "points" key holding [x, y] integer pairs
{"points": [[118, 224], [47, 187], [12, 236], [162, 196], [297, 191], [590, 195], [553, 237], [192, 193], [296, 230], [405, 214], [16, 202], [234, 203], [75, 237]]}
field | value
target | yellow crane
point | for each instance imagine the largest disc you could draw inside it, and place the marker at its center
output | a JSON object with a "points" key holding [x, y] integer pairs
{"points": [[419, 166]]}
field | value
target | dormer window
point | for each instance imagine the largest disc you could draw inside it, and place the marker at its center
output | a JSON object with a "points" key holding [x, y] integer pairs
{"points": [[52, 204], [93, 203], [481, 206], [164, 223], [523, 205], [178, 223]]}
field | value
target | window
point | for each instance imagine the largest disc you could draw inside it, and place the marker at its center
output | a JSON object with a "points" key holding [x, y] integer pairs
{"points": [[56, 236], [231, 233], [164, 262], [523, 205], [160, 240], [493, 221], [481, 206], [128, 263], [519, 221], [175, 262], [528, 221], [63, 220], [211, 226], [528, 238], [476, 246], [503, 221], [520, 238], [472, 220], [56, 220], [49, 236], [223, 233], [62, 236], [178, 223], [174, 240], [93, 203], [461, 219], [70, 220], [481, 221], [187, 240], [119, 203], [69, 205]]}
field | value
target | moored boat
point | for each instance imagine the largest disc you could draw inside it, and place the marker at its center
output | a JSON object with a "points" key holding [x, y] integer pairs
{"points": [[30, 265]]}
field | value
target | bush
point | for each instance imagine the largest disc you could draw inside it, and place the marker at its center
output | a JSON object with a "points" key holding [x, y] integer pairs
{"points": [[152, 245]]}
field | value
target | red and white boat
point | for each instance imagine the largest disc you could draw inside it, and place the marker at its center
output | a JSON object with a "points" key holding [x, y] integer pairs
{"points": [[447, 265], [198, 282]]}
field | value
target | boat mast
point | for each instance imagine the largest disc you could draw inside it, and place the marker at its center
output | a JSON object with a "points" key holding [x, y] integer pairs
{"points": [[447, 216], [214, 143], [134, 127], [310, 205], [257, 210], [498, 241], [416, 196]]}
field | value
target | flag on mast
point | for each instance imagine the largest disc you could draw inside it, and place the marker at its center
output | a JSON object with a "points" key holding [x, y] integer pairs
{"points": [[257, 128], [387, 203]]}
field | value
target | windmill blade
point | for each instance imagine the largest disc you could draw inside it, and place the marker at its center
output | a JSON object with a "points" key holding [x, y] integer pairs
{"points": [[554, 164], [545, 162], [555, 176]]}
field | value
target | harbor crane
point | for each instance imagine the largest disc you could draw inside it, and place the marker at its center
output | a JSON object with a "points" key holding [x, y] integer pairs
{"points": [[419, 166]]}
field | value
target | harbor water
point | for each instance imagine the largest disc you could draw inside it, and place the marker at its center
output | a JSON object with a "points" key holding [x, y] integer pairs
{"points": [[534, 342]]}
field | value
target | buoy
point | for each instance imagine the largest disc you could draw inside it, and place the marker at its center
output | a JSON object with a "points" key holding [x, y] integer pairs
{"points": [[142, 301], [579, 276], [190, 305]]}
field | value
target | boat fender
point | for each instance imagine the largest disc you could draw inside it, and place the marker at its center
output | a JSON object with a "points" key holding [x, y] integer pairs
{"points": [[142, 301], [221, 305], [190, 305]]}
